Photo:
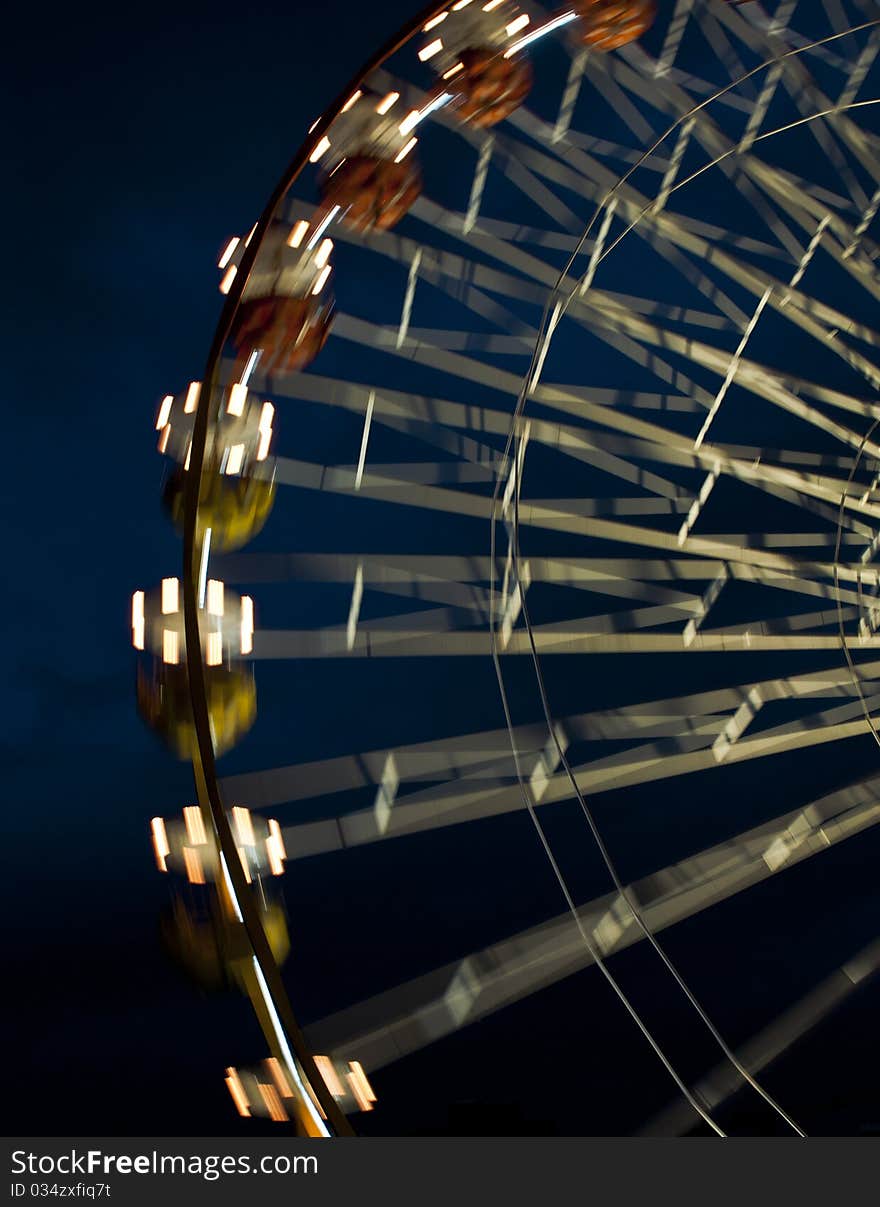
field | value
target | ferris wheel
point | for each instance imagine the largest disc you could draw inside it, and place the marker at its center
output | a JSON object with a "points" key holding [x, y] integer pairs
{"points": [[529, 501]]}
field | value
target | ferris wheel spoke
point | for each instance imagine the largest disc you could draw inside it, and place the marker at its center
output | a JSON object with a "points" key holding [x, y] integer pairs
{"points": [[770, 1043], [419, 1012]]}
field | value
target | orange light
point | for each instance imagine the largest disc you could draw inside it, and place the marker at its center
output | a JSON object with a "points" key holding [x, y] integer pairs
{"points": [[192, 862], [236, 1089], [273, 1103], [278, 1077], [195, 825], [160, 842], [244, 826], [324, 1065]]}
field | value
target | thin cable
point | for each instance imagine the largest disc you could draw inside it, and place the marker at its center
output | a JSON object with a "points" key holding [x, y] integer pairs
{"points": [[557, 871], [543, 337]]}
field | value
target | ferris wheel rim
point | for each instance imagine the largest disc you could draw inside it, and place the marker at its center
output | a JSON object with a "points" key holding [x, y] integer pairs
{"points": [[191, 542]]}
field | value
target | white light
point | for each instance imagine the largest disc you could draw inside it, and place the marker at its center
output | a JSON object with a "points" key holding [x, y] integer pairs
{"points": [[215, 597], [228, 250], [250, 236], [137, 620], [203, 566], [244, 826], [434, 21], [386, 103], [410, 121], [323, 145], [226, 283], [460, 5], [234, 460], [418, 115], [401, 155], [170, 596], [160, 842], [298, 233], [192, 397], [323, 253], [322, 279], [265, 441], [447, 75], [280, 1035], [352, 100], [247, 624], [164, 412], [515, 26], [170, 646], [322, 226], [556, 23], [237, 399], [487, 8], [189, 450], [214, 649], [428, 52], [163, 439], [265, 430], [250, 366]]}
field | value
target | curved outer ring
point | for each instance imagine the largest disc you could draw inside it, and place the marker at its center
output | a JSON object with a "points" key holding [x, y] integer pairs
{"points": [[204, 766]]}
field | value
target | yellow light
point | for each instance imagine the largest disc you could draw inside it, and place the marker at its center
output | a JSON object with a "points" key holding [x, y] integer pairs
{"points": [[298, 233], [322, 255], [323, 145], [195, 825], [386, 103], [237, 399], [228, 250], [244, 826], [515, 26], [170, 646], [401, 155], [189, 449], [192, 862], [324, 1065], [434, 21], [236, 1089], [163, 439], [250, 236], [170, 596], [226, 283], [247, 624], [352, 100], [487, 8], [428, 52], [460, 5], [235, 460], [322, 279], [164, 412], [191, 401], [453, 71], [160, 842], [215, 597]]}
